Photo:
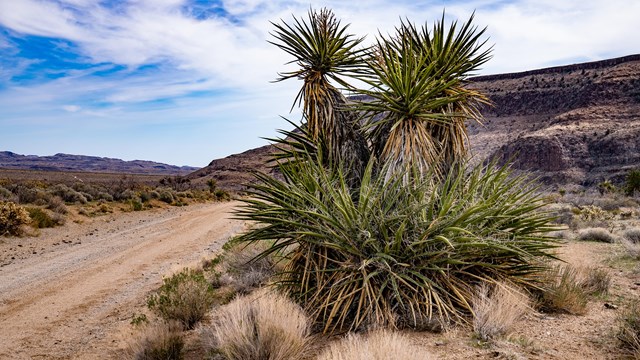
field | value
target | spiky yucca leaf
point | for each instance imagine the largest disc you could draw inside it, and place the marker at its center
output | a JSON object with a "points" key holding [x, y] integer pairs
{"points": [[420, 97], [389, 254], [324, 51]]}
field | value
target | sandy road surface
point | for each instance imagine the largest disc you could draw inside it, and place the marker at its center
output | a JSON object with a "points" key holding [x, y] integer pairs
{"points": [[75, 295]]}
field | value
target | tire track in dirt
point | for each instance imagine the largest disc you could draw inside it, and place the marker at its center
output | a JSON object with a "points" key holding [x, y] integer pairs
{"points": [[68, 303]]}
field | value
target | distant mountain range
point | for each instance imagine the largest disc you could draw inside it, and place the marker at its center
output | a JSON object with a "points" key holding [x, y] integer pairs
{"points": [[67, 162], [575, 124]]}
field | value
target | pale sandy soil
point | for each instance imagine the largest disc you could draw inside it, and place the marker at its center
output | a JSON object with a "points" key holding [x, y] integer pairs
{"points": [[71, 292]]}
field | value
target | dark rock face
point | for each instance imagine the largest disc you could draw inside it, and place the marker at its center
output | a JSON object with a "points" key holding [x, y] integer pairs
{"points": [[575, 124], [68, 162]]}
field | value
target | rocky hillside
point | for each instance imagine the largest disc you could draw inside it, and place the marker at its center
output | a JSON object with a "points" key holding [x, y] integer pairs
{"points": [[66, 162], [575, 124]]}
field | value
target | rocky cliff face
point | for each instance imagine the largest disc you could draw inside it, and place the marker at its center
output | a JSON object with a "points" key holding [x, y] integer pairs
{"points": [[571, 124], [575, 124]]}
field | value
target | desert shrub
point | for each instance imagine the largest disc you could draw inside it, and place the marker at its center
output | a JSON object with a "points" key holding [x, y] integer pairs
{"points": [[243, 270], [380, 243], [104, 196], [632, 234], [562, 213], [261, 326], [564, 292], [185, 297], [56, 204], [595, 281], [166, 195], [158, 342], [145, 196], [67, 194], [125, 195], [136, 205], [40, 218], [29, 195], [378, 345], [6, 195], [596, 234], [629, 329], [632, 248], [632, 182], [186, 194], [154, 194], [497, 309], [222, 195], [591, 213], [12, 218]]}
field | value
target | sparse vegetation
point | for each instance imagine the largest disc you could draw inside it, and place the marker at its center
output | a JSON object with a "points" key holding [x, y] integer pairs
{"points": [[629, 329], [497, 309], [564, 292], [378, 345], [12, 218], [162, 341], [185, 297], [40, 218], [262, 326], [596, 234], [632, 182]]}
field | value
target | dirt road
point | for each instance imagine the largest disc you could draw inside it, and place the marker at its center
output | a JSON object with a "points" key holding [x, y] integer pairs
{"points": [[73, 296]]}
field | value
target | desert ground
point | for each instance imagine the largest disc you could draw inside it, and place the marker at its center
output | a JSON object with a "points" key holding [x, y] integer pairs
{"points": [[71, 292]]}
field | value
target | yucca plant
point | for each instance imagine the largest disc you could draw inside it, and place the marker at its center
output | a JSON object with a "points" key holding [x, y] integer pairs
{"points": [[326, 53], [419, 102], [397, 255]]}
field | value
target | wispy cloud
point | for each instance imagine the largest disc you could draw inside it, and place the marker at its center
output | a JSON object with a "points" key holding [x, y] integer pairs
{"points": [[208, 65]]}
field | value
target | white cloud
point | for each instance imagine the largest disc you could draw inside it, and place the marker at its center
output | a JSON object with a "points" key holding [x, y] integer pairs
{"points": [[71, 108]]}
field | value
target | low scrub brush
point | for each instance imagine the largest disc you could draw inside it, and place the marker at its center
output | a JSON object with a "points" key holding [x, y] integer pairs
{"points": [[497, 309], [158, 342], [12, 218], [261, 326], [185, 297], [596, 234], [379, 345]]}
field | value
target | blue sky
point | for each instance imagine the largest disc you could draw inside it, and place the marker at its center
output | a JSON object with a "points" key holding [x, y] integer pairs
{"points": [[187, 81]]}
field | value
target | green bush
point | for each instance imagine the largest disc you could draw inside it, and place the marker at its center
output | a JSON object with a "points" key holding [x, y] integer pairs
{"points": [[166, 195], [67, 194], [185, 297], [12, 218], [632, 182], [40, 218], [390, 251]]}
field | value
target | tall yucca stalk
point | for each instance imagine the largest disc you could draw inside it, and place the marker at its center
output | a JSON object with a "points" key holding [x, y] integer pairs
{"points": [[420, 102], [325, 52]]}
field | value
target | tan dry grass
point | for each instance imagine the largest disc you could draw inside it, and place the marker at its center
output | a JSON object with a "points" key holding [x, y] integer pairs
{"points": [[378, 345], [264, 325], [497, 309], [564, 292], [161, 341]]}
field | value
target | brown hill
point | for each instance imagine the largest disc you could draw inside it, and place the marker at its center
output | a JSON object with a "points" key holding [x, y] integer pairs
{"points": [[576, 124], [68, 162]]}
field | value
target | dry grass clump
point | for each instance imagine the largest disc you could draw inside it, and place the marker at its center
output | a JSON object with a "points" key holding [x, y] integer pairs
{"points": [[629, 330], [564, 292], [596, 234], [186, 297], [497, 309], [158, 342], [595, 281], [242, 270], [632, 248], [378, 345], [261, 326], [632, 234]]}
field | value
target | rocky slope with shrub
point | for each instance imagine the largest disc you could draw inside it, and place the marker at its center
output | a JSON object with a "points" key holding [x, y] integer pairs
{"points": [[574, 124]]}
